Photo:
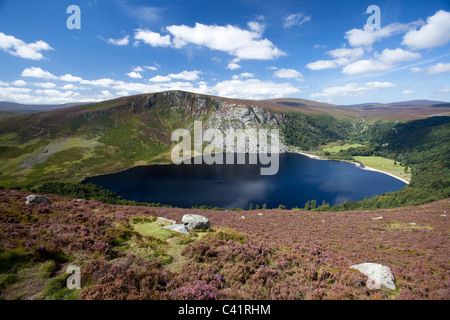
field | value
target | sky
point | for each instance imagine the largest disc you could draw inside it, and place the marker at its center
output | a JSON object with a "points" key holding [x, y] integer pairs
{"points": [[329, 51]]}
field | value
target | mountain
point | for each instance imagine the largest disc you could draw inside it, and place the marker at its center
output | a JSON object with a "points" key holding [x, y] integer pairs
{"points": [[8, 114], [34, 108], [79, 141]]}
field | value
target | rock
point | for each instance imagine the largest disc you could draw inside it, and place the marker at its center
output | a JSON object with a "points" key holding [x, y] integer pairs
{"points": [[260, 214], [166, 221], [37, 199], [195, 221], [377, 218], [181, 228], [378, 275]]}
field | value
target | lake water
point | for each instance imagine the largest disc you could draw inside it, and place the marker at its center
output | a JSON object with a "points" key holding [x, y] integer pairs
{"points": [[298, 180]]}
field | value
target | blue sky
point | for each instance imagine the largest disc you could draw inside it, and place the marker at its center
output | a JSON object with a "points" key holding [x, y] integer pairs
{"points": [[318, 50]]}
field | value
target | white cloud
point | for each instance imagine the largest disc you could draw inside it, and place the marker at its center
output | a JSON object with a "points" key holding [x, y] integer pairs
{"points": [[322, 64], [246, 75], [122, 93], [21, 49], [135, 75], [295, 19], [46, 85], [252, 89], [233, 66], [99, 82], [256, 27], [186, 75], [415, 69], [342, 57], [70, 78], [435, 33], [364, 66], [160, 79], [384, 61], [36, 72], [19, 83], [243, 44], [138, 69], [152, 38], [398, 56], [3, 83], [368, 36], [350, 53], [352, 89], [119, 42], [153, 68], [288, 74], [406, 92], [439, 68]]}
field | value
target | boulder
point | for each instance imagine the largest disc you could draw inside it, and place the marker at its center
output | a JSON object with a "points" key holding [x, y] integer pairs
{"points": [[195, 221], [378, 275], [181, 228], [37, 199]]}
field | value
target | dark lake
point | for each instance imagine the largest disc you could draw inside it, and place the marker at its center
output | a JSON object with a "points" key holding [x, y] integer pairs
{"points": [[298, 180]]}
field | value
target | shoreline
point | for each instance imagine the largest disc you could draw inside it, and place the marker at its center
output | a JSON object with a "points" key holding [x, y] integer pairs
{"points": [[357, 164]]}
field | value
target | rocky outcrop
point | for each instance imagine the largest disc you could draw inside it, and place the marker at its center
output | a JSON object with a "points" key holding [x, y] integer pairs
{"points": [[181, 228], [37, 199], [196, 222], [378, 275]]}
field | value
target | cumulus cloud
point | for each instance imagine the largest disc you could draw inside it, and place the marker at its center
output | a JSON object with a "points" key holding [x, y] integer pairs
{"points": [[439, 68], [352, 89], [243, 44], [184, 75], [119, 42], [384, 61], [159, 78], [342, 57], [135, 75], [252, 89], [21, 49], [435, 33], [288, 74], [99, 82], [406, 92], [19, 83], [36, 72], [152, 38], [70, 78], [46, 85], [233, 66], [295, 19], [368, 36]]}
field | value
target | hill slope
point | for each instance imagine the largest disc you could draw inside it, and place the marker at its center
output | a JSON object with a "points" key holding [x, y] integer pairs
{"points": [[124, 253]]}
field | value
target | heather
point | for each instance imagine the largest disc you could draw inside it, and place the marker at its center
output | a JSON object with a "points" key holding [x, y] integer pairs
{"points": [[124, 253]]}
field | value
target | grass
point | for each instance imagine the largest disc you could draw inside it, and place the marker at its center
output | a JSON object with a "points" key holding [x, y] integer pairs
{"points": [[384, 164], [398, 225], [336, 148], [153, 229]]}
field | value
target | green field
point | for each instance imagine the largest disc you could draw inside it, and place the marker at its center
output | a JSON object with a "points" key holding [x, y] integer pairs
{"points": [[337, 148], [386, 165]]}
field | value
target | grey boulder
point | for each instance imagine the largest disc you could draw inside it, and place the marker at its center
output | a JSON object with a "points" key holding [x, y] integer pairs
{"points": [[181, 228], [195, 221], [378, 275], [37, 199]]}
